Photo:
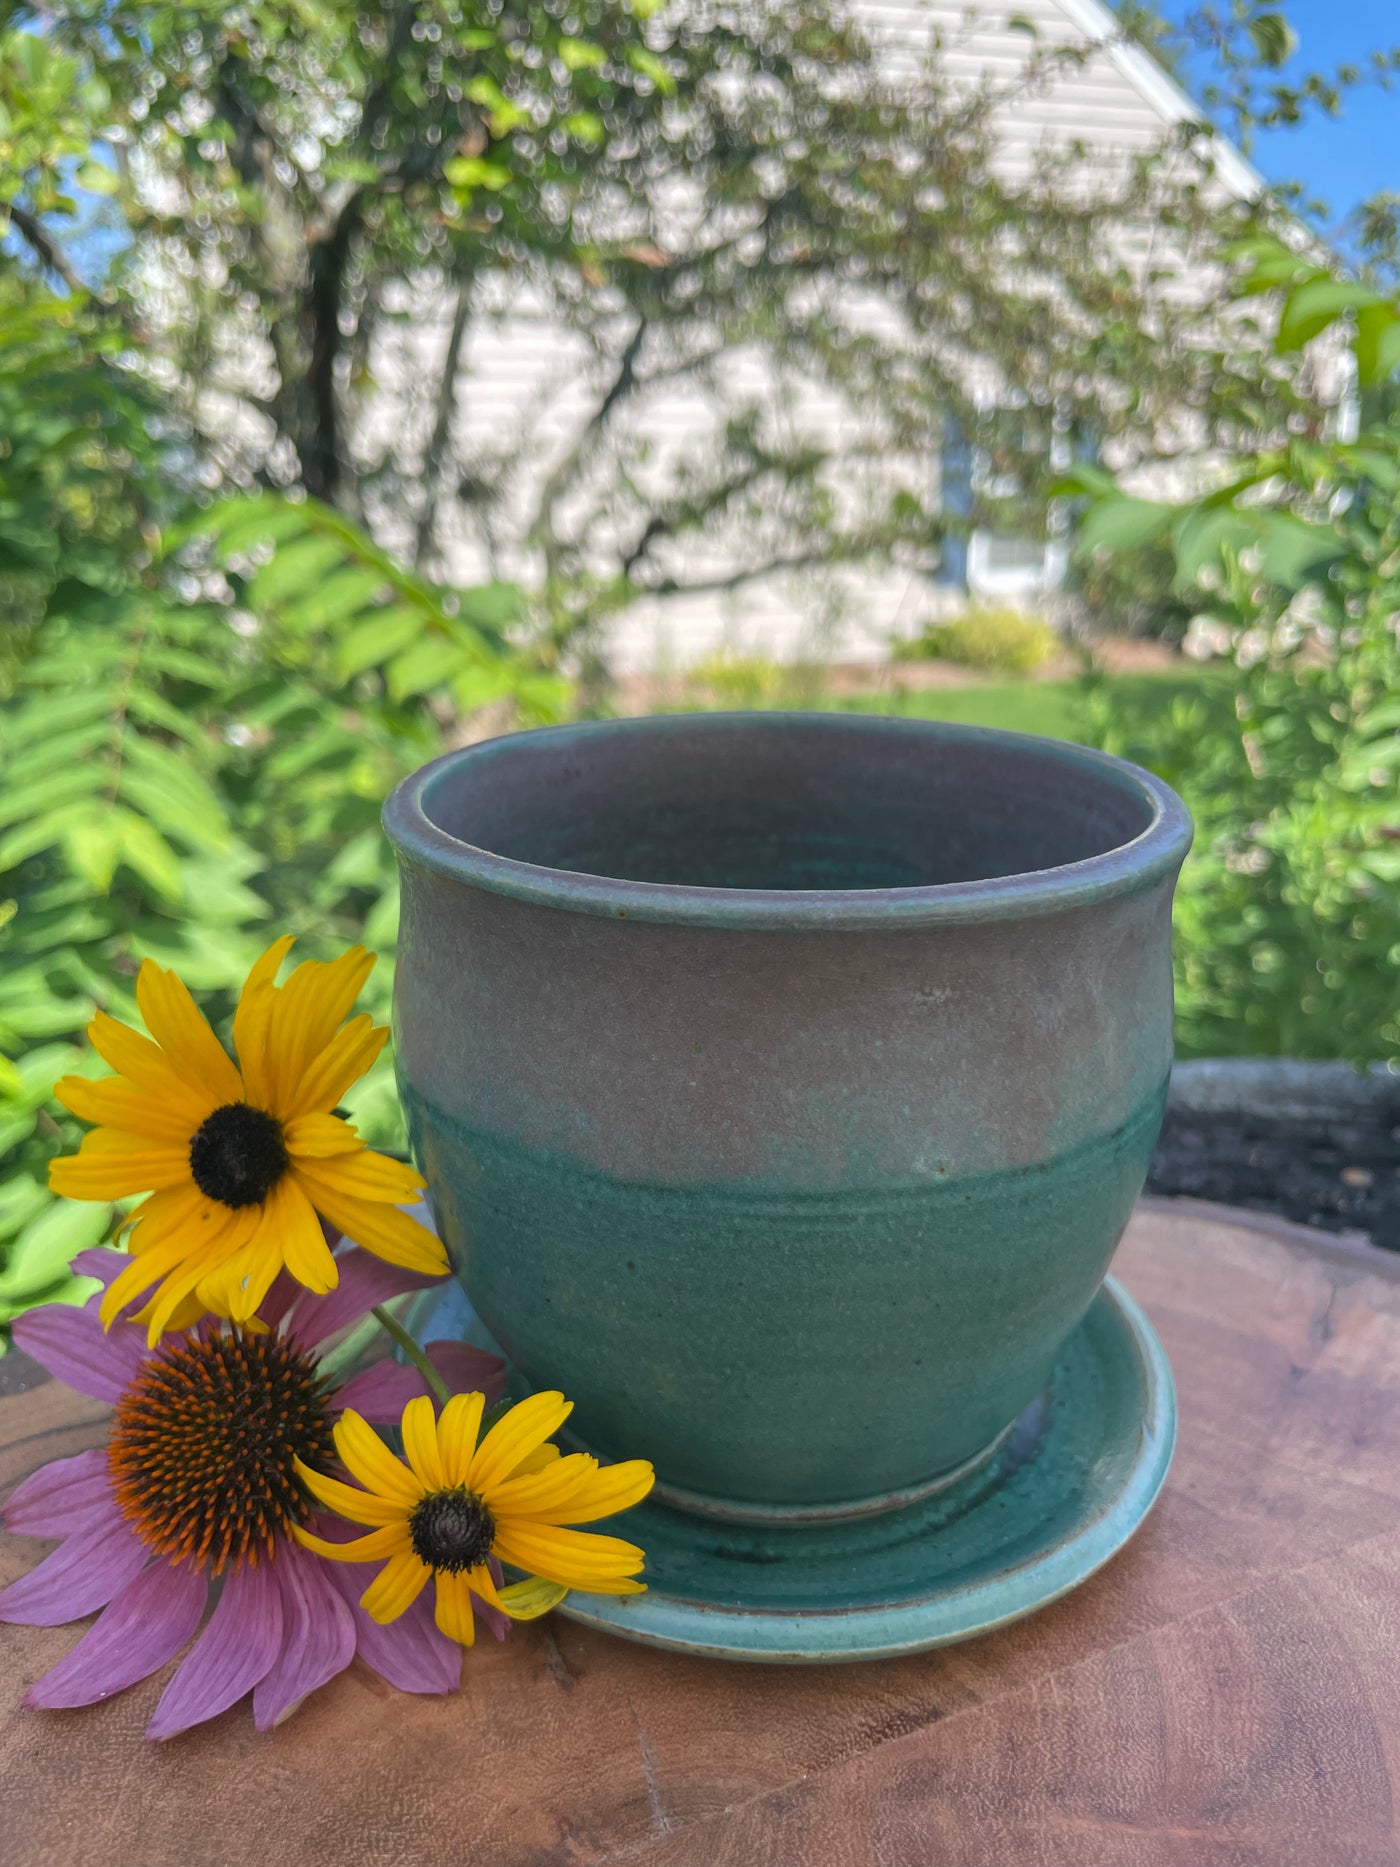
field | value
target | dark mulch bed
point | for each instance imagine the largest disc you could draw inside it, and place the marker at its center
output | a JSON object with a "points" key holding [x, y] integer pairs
{"points": [[1342, 1175]]}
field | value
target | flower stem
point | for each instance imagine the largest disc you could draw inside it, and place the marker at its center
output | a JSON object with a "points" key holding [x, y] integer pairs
{"points": [[395, 1330]]}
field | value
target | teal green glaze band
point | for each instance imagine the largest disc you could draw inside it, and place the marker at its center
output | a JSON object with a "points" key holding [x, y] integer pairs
{"points": [[784, 1082]]}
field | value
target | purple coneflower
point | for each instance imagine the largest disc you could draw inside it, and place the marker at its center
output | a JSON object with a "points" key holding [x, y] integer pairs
{"points": [[197, 1485]]}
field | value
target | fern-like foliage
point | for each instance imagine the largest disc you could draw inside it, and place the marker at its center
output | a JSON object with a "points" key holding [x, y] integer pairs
{"points": [[203, 716]]}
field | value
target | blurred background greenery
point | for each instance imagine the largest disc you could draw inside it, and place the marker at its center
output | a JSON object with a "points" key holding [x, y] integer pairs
{"points": [[227, 623]]}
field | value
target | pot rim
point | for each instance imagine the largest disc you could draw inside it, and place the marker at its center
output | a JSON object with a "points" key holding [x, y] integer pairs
{"points": [[1157, 851]]}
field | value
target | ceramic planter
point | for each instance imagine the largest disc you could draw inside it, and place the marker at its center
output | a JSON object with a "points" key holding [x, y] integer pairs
{"points": [[784, 1082]]}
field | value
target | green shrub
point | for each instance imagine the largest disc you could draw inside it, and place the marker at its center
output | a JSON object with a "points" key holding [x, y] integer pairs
{"points": [[742, 682], [1288, 913], [995, 638]]}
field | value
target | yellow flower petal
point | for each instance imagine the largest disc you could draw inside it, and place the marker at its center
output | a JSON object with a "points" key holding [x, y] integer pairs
{"points": [[342, 1063], [536, 1461], [304, 1250], [364, 1174], [599, 1565], [181, 1284], [320, 1135], [511, 1438], [309, 1010], [359, 1506], [110, 1165], [391, 1540], [454, 1609], [141, 1062], [182, 1031], [184, 1316], [457, 1428], [590, 1496], [251, 1020], [117, 1104], [237, 1287], [162, 1260], [420, 1444], [384, 1230], [370, 1460], [175, 1209], [480, 1583], [528, 1600], [536, 1494], [396, 1587]]}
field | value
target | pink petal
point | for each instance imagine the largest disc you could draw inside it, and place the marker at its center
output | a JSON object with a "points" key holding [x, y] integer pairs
{"points": [[80, 1575], [318, 1636], [410, 1652], [280, 1298], [60, 1498], [498, 1623], [364, 1281], [74, 1347], [380, 1392], [238, 1647], [101, 1262], [145, 1625], [469, 1370]]}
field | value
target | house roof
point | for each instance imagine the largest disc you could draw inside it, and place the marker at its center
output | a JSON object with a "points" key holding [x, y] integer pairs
{"points": [[1159, 89]]}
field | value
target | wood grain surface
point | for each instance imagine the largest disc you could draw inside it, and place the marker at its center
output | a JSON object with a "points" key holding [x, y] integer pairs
{"points": [[1226, 1692]]}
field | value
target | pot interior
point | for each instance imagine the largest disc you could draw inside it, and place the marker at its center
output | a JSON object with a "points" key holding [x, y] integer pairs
{"points": [[786, 802]]}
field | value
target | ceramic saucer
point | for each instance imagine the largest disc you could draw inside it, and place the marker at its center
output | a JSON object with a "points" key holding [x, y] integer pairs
{"points": [[1062, 1494]]}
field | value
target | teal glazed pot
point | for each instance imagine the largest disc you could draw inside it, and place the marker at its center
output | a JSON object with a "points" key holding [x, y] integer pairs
{"points": [[784, 1081]]}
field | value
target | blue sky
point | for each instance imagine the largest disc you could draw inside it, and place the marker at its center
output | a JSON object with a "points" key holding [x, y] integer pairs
{"points": [[1345, 159]]}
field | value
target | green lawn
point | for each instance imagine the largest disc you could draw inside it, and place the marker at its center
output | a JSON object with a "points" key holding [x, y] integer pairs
{"points": [[1057, 709]]}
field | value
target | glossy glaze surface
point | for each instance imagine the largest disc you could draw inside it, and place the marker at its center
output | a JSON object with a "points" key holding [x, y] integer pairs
{"points": [[797, 1189]]}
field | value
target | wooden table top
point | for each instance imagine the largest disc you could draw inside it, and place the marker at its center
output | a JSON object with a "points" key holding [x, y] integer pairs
{"points": [[1225, 1692]]}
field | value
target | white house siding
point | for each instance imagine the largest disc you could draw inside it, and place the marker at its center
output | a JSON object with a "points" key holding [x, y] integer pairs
{"points": [[527, 378]]}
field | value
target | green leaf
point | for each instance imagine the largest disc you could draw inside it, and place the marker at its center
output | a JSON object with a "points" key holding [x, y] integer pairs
{"points": [[338, 597], [504, 116], [581, 55], [370, 644], [1312, 307], [585, 127], [203, 670], [242, 523], [44, 1248], [146, 851], [294, 570], [26, 801], [66, 748], [1381, 719], [1377, 343], [430, 663], [1293, 551], [1122, 524], [20, 1200], [650, 66], [40, 718], [92, 845], [1274, 39], [97, 179], [466, 173], [493, 605]]}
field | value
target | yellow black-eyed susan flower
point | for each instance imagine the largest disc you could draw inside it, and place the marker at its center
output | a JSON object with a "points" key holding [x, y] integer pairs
{"points": [[238, 1160], [457, 1509]]}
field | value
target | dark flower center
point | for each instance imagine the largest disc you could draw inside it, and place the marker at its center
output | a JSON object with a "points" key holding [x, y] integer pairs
{"points": [[238, 1155], [202, 1444], [452, 1530]]}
